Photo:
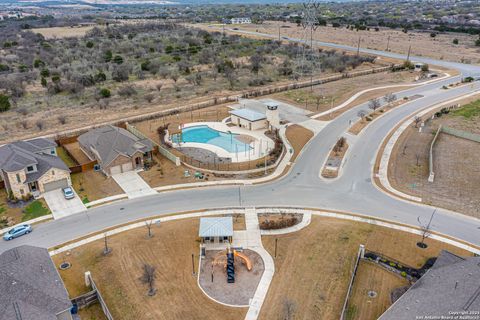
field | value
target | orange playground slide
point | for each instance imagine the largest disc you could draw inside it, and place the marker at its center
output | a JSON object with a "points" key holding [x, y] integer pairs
{"points": [[245, 260]]}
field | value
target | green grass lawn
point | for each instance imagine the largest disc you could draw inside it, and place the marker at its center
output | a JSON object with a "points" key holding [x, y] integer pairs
{"points": [[62, 154], [34, 210], [469, 110]]}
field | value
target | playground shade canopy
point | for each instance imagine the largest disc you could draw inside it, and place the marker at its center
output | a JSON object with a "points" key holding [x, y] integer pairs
{"points": [[216, 227]]}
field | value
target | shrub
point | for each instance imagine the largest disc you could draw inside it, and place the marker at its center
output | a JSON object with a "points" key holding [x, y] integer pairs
{"points": [[403, 274], [100, 77], [455, 41], [105, 93], [339, 145], [4, 103], [89, 44], [392, 264], [279, 224], [127, 91], [118, 59]]}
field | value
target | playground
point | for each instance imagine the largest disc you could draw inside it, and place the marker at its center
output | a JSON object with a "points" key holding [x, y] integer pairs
{"points": [[213, 279]]}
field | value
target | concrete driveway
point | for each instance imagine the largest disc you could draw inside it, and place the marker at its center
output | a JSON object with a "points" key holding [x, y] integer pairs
{"points": [[133, 185], [62, 207]]}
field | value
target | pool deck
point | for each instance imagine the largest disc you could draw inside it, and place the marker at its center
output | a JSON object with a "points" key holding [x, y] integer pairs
{"points": [[259, 147]]}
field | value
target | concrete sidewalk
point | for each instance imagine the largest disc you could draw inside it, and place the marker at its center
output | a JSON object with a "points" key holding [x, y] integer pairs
{"points": [[133, 185]]}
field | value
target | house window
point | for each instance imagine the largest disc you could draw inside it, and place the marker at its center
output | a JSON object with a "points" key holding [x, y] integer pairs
{"points": [[18, 178], [29, 168]]}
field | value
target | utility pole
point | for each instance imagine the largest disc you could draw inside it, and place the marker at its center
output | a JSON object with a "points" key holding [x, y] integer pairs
{"points": [[278, 33], [358, 46], [408, 55], [388, 43]]}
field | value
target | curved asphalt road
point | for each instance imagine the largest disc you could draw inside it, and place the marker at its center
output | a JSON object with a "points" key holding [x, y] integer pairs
{"points": [[302, 187]]}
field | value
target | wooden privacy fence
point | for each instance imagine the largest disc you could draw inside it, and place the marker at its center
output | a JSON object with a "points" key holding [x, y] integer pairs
{"points": [[89, 280], [161, 149]]}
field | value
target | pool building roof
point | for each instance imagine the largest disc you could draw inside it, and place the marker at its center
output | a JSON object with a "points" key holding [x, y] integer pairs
{"points": [[216, 227], [248, 114]]}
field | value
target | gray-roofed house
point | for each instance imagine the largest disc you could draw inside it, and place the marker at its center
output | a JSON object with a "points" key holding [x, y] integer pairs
{"points": [[249, 119], [451, 287], [216, 229], [30, 286], [115, 149], [32, 167]]}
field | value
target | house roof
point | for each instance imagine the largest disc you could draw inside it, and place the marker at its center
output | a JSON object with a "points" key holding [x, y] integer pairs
{"points": [[30, 286], [18, 155], [248, 114], [110, 142], [216, 227], [451, 285]]}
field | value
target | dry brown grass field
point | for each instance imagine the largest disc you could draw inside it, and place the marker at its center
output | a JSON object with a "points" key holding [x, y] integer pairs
{"points": [[441, 47], [312, 269]]}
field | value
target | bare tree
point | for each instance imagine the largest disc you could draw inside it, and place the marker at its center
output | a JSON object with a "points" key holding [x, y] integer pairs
{"points": [[62, 119], [148, 224], [417, 120], [159, 86], [40, 124], [289, 308], [148, 277], [149, 97], [389, 97], [374, 104], [425, 230], [24, 124], [362, 114]]}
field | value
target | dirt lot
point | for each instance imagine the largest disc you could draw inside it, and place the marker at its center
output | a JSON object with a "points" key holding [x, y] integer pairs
{"points": [[457, 175], [440, 47], [117, 275], [243, 289], [91, 185], [372, 278], [329, 247]]}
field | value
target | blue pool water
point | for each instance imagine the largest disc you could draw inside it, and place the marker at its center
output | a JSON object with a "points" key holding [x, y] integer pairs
{"points": [[205, 134]]}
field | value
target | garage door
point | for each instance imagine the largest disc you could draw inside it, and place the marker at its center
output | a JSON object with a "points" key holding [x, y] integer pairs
{"points": [[115, 170], [55, 185], [127, 167]]}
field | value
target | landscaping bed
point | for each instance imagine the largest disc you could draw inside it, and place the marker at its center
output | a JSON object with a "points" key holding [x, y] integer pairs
{"points": [[334, 161], [13, 213], [274, 221]]}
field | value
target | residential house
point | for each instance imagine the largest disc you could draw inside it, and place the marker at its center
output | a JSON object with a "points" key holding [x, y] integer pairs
{"points": [[30, 286], [32, 167], [240, 21], [115, 149], [450, 288]]}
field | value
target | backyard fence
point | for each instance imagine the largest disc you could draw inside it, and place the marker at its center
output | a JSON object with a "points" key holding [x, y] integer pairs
{"points": [[451, 131], [361, 252], [89, 280], [161, 149]]}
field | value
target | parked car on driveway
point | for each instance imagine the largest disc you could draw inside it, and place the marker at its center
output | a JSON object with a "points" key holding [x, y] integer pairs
{"points": [[17, 231], [68, 193]]}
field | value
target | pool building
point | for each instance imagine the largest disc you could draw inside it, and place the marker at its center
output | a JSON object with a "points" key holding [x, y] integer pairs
{"points": [[248, 119]]}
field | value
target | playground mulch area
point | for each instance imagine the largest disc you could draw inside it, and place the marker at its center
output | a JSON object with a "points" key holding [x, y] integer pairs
{"points": [[246, 282], [118, 274], [313, 266]]}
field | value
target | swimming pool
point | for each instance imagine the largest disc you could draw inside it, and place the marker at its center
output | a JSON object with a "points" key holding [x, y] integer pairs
{"points": [[205, 134]]}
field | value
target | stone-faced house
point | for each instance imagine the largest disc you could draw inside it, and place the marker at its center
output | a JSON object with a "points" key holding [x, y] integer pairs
{"points": [[30, 286], [115, 149], [32, 167]]}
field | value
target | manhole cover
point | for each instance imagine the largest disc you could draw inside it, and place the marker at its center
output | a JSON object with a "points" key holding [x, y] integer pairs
{"points": [[372, 294], [65, 266]]}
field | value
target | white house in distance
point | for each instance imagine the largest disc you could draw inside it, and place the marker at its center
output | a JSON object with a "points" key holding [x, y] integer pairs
{"points": [[240, 20]]}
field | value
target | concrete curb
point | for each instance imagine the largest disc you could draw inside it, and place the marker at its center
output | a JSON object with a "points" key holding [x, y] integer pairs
{"points": [[387, 151], [358, 94]]}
